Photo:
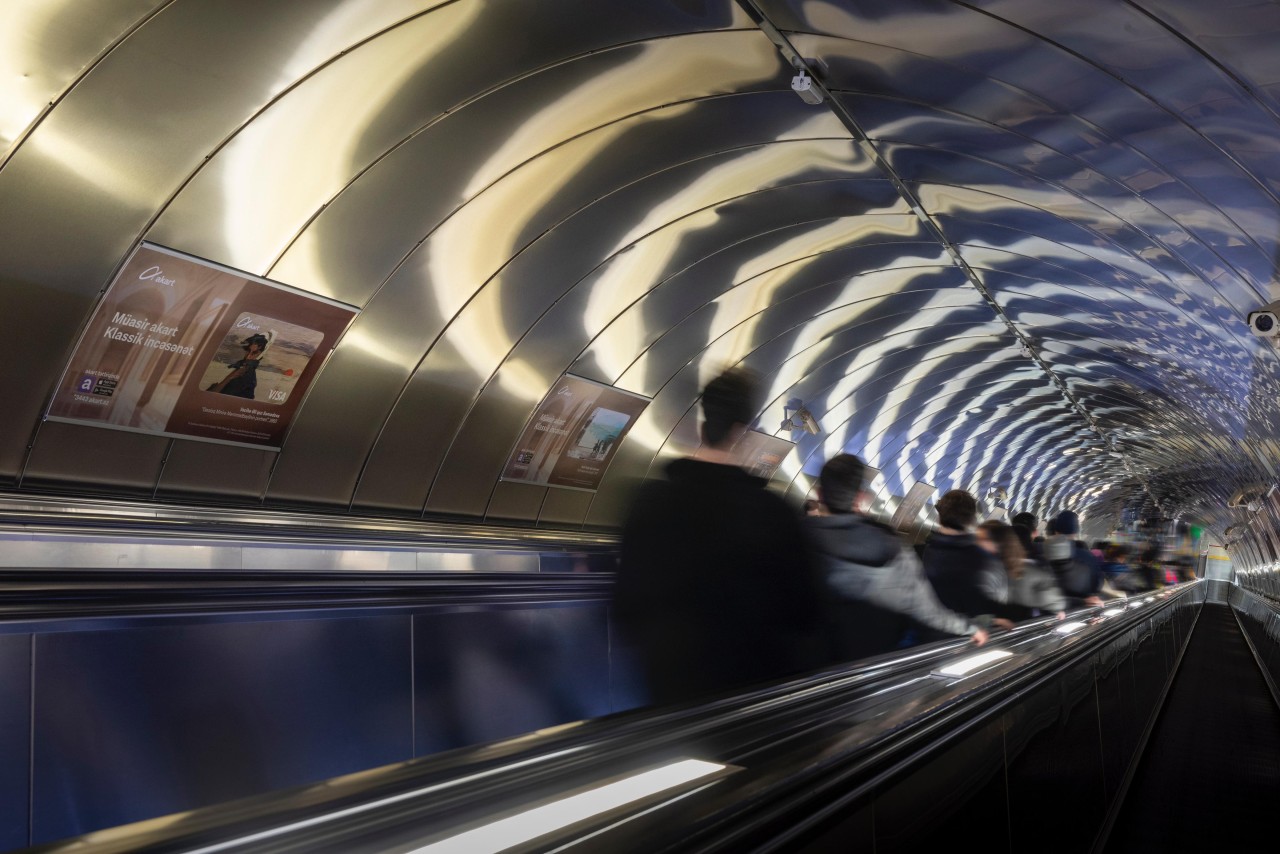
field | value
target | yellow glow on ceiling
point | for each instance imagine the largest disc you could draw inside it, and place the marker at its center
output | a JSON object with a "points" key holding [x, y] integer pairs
{"points": [[664, 229], [470, 248], [124, 181], [23, 93], [300, 153], [627, 334]]}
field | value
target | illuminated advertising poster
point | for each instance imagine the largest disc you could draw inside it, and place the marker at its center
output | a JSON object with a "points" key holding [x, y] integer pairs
{"points": [[574, 434], [909, 510], [183, 347], [760, 454]]}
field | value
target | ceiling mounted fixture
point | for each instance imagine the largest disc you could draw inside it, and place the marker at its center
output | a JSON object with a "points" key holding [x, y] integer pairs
{"points": [[802, 85], [796, 417]]}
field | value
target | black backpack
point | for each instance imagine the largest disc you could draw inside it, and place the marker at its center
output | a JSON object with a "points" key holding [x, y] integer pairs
{"points": [[1074, 576]]}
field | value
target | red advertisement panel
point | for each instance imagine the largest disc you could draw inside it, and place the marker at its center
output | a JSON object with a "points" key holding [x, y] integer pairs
{"points": [[182, 347]]}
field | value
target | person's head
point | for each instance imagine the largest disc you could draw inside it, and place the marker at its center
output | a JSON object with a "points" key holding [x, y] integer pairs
{"points": [[1024, 538], [1027, 520], [1050, 529], [1067, 523], [1000, 539], [728, 406], [840, 483], [1116, 553], [255, 343], [957, 510]]}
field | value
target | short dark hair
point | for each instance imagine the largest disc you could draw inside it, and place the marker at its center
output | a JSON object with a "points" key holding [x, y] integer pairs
{"points": [[1023, 534], [727, 400], [841, 481], [1026, 519], [957, 509]]}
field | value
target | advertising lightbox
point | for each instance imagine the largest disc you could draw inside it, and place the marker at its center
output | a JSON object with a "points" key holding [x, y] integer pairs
{"points": [[183, 347], [574, 434]]}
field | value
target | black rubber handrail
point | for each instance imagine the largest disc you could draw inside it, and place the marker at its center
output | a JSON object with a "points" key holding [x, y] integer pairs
{"points": [[41, 594], [256, 525]]}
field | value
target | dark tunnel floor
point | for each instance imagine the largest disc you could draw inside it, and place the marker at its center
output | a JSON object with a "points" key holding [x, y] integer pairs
{"points": [[1210, 776]]}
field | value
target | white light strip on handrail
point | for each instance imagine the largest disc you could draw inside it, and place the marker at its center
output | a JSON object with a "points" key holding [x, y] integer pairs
{"points": [[530, 824], [1068, 628], [1111, 612], [967, 665]]}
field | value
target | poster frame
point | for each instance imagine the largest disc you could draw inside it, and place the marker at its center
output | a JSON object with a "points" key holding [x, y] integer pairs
{"points": [[214, 265], [506, 460]]}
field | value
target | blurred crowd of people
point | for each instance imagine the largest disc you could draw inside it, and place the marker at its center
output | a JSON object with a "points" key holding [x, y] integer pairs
{"points": [[722, 584]]}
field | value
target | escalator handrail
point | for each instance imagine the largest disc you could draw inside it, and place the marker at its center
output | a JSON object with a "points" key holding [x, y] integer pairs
{"points": [[490, 773]]}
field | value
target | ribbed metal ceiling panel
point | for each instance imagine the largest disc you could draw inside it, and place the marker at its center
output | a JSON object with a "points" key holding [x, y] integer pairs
{"points": [[1015, 249]]}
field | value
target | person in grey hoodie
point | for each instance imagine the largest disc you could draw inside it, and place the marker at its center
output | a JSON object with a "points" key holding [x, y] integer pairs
{"points": [[870, 577]]}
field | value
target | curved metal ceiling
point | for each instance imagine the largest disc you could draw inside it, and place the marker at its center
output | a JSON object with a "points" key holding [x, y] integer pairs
{"points": [[629, 191]]}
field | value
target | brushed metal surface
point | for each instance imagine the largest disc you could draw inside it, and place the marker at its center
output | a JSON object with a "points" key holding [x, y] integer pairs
{"points": [[46, 47], [516, 501], [85, 456], [629, 190], [482, 676], [564, 507], [78, 192], [446, 381], [186, 716], [456, 258], [106, 521], [225, 470], [15, 740]]}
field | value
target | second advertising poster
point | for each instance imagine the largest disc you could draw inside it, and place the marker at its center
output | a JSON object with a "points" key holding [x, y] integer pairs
{"points": [[574, 434]]}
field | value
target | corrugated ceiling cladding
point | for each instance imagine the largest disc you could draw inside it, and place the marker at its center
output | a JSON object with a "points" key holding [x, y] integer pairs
{"points": [[629, 190]]}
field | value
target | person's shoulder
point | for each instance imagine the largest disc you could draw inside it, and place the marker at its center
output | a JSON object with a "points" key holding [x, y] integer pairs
{"points": [[772, 502]]}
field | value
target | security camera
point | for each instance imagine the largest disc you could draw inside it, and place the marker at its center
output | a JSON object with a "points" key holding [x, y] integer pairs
{"points": [[796, 417], [802, 85], [1265, 322]]}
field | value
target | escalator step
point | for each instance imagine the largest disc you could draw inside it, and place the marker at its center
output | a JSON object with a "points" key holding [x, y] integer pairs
{"points": [[1210, 776]]}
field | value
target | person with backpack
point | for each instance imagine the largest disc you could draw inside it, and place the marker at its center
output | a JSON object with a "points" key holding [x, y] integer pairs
{"points": [[1077, 571]]}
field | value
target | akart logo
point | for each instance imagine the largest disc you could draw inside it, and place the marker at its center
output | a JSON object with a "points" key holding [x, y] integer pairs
{"points": [[157, 275], [246, 322]]}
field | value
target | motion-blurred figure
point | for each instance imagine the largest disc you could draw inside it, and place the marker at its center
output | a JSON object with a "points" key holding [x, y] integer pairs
{"points": [[1034, 586], [1028, 520], [716, 587], [956, 565], [1078, 572], [869, 575]]}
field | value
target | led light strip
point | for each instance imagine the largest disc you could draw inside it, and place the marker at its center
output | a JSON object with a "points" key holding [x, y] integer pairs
{"points": [[1068, 628], [539, 821], [965, 666]]}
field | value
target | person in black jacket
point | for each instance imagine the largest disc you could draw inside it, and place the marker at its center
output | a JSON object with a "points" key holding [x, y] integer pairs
{"points": [[716, 588], [876, 585], [956, 565]]}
